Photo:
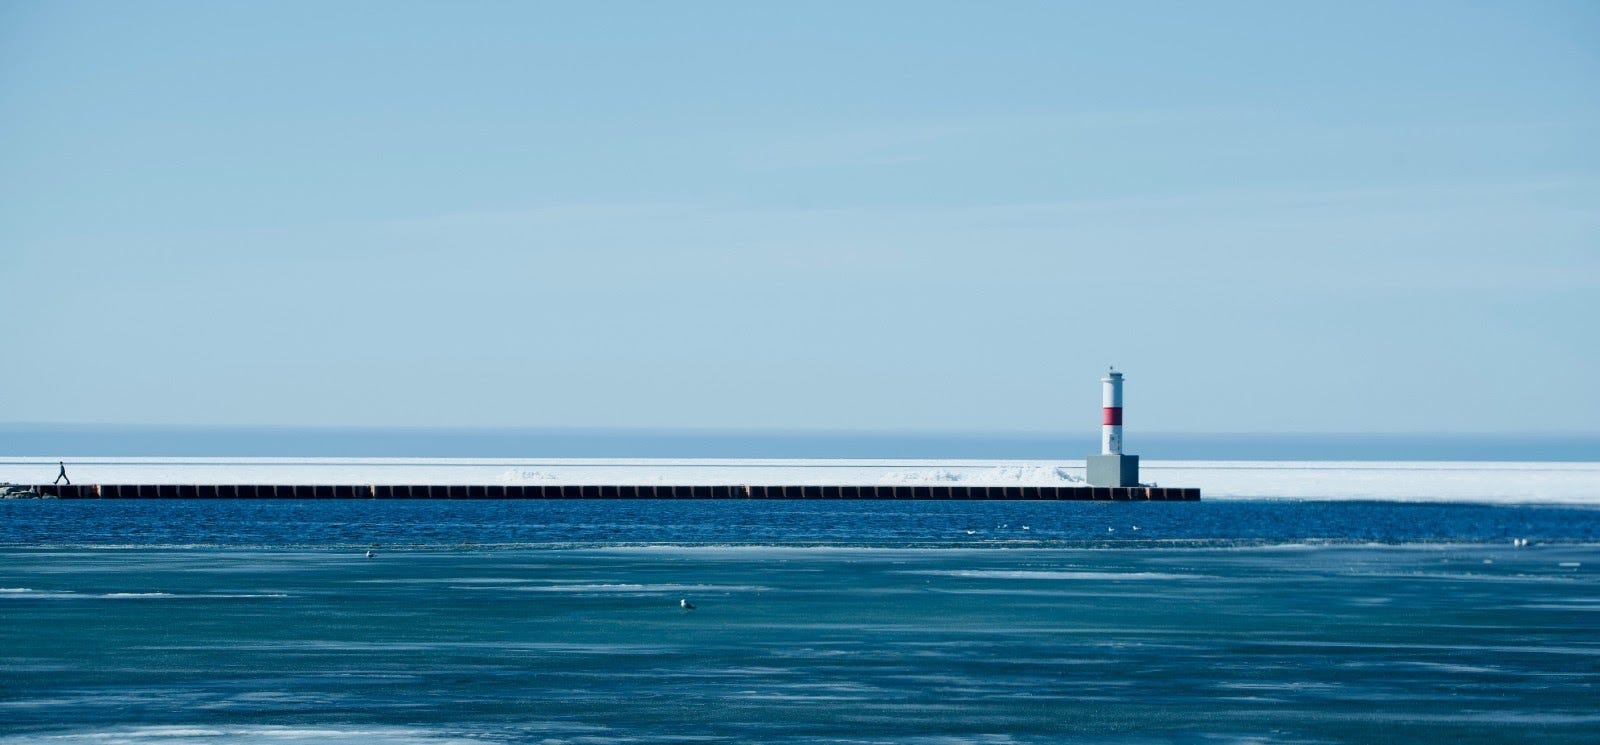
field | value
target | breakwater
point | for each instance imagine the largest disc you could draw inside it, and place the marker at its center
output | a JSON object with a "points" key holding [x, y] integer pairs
{"points": [[618, 491]]}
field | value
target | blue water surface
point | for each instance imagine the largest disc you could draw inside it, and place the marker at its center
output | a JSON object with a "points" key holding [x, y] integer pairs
{"points": [[423, 523], [854, 622]]}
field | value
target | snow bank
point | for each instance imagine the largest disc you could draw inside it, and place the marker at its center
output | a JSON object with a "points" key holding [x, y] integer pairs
{"points": [[1041, 475], [1566, 483]]}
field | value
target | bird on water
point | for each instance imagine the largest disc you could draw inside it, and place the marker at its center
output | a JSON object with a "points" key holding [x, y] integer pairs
{"points": [[685, 604]]}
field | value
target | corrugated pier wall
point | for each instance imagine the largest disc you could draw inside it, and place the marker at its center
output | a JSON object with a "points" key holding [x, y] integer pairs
{"points": [[589, 491]]}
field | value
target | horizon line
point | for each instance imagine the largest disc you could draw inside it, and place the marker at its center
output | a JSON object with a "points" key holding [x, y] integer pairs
{"points": [[1086, 431]]}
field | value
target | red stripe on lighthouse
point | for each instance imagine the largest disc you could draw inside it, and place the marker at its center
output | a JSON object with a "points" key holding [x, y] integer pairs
{"points": [[1113, 415]]}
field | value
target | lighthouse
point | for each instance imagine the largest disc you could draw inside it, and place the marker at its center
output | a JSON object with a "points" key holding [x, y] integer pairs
{"points": [[1111, 413], [1111, 467]]}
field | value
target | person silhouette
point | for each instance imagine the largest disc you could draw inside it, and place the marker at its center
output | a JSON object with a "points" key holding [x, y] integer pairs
{"points": [[63, 475]]}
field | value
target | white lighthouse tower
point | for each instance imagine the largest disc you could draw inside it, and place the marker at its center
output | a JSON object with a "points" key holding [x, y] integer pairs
{"points": [[1111, 413], [1111, 467]]}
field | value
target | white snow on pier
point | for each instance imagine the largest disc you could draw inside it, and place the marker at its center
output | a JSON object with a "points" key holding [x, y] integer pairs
{"points": [[1499, 482]]}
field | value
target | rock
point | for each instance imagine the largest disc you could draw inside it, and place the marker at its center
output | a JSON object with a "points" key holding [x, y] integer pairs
{"points": [[14, 491]]}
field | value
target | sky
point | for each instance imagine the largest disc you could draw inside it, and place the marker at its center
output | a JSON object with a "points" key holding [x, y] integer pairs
{"points": [[909, 216]]}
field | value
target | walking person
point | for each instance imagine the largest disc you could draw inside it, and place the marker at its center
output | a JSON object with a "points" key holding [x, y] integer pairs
{"points": [[63, 475]]}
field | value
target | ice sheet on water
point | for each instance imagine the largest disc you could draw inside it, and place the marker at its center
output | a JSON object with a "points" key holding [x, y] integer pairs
{"points": [[1056, 575], [246, 735], [634, 588], [25, 592], [1406, 481]]}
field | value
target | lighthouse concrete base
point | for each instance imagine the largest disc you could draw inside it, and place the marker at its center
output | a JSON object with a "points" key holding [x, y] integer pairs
{"points": [[1113, 470]]}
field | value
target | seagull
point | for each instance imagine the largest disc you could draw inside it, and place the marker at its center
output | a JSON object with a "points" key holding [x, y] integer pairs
{"points": [[369, 553], [685, 604]]}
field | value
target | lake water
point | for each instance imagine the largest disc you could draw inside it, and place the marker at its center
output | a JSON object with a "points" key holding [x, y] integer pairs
{"points": [[860, 622]]}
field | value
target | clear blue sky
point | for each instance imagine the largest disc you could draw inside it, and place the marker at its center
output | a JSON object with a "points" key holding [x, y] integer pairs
{"points": [[1329, 217]]}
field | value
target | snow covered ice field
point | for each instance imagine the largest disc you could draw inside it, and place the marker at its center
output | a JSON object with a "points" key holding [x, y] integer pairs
{"points": [[1462, 481]]}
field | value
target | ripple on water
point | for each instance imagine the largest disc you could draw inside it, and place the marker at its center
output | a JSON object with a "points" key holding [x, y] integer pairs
{"points": [[251, 735], [1050, 575]]}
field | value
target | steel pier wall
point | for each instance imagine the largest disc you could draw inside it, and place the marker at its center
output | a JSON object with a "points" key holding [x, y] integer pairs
{"points": [[619, 491]]}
